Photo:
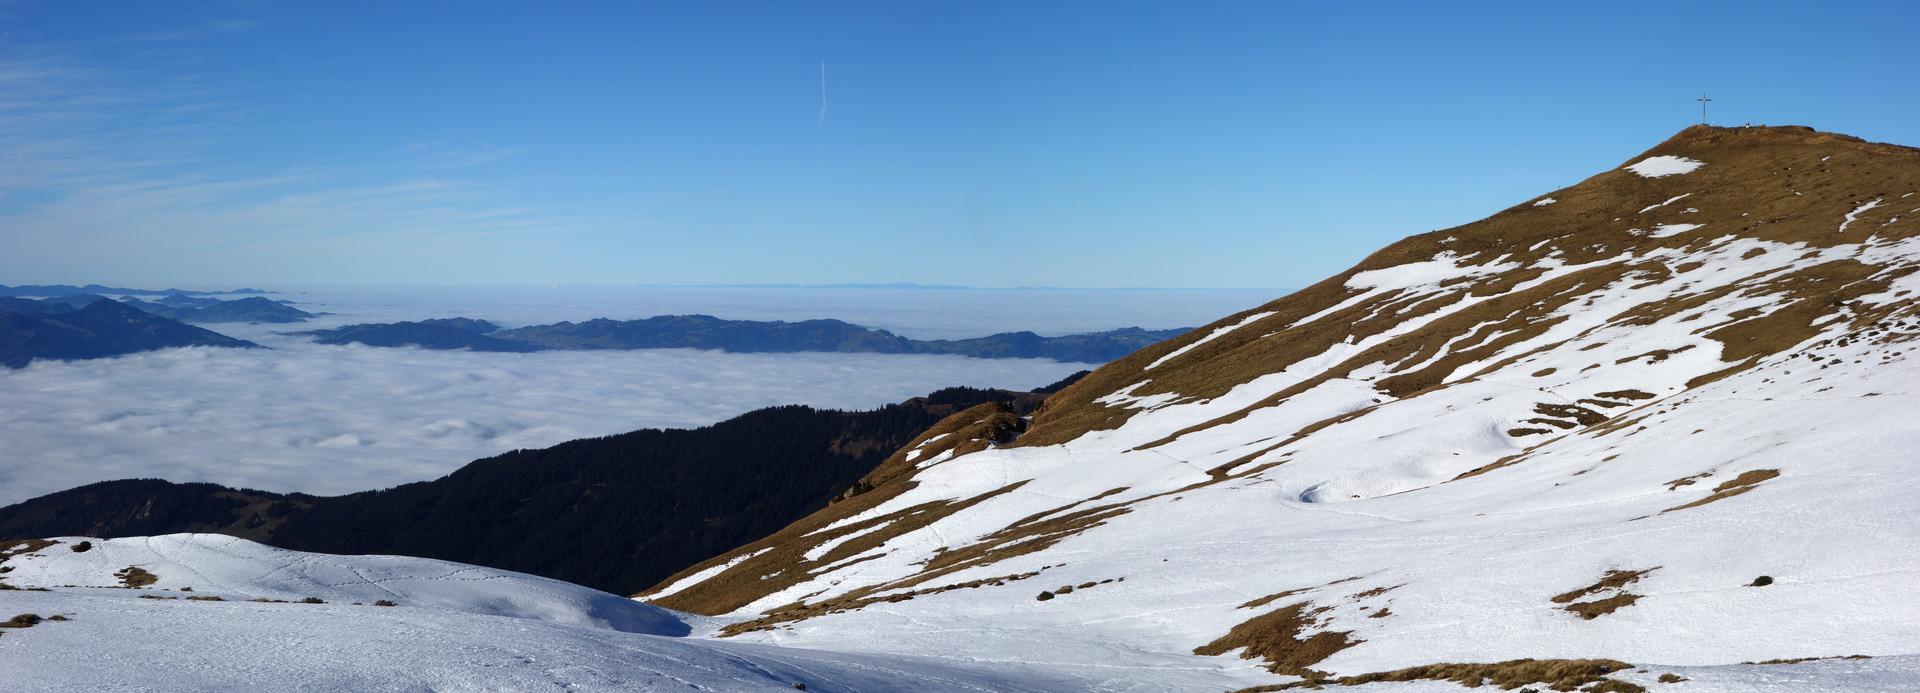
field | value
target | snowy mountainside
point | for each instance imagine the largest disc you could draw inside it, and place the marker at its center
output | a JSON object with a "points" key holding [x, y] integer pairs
{"points": [[1660, 418], [207, 612]]}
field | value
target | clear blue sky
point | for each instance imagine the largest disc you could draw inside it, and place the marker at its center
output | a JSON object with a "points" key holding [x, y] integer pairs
{"points": [[996, 144]]}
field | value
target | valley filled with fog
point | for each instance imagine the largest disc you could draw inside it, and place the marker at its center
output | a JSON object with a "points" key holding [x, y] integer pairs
{"points": [[322, 419]]}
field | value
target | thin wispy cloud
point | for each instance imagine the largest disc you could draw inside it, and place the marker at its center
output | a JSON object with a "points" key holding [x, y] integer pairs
{"points": [[117, 172]]}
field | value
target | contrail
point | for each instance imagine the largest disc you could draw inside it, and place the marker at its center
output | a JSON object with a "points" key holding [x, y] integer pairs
{"points": [[823, 92]]}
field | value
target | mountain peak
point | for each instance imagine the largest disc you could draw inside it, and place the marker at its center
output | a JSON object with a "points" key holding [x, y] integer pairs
{"points": [[1704, 136], [1634, 394]]}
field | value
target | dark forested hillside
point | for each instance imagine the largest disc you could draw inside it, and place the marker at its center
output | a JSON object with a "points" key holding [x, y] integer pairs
{"points": [[618, 513]]}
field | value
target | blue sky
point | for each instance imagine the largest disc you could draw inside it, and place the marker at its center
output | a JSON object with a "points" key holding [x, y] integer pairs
{"points": [[992, 144]]}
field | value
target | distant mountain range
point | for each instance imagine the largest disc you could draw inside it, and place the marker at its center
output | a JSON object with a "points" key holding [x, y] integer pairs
{"points": [[60, 329], [746, 336], [199, 309], [618, 513], [51, 290], [445, 333], [195, 309]]}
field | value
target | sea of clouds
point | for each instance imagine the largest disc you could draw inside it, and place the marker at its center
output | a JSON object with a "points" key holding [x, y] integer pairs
{"points": [[328, 420], [321, 419]]}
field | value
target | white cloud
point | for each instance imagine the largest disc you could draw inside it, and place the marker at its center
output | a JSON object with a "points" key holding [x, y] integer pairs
{"points": [[330, 420]]}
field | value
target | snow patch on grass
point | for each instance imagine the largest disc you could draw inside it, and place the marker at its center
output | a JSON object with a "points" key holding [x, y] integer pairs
{"points": [[1665, 165]]}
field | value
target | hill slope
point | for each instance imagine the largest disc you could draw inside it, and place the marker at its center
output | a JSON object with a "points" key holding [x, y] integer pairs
{"points": [[53, 329], [1661, 416], [212, 310]]}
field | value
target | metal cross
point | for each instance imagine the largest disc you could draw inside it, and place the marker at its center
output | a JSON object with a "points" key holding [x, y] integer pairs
{"points": [[1703, 108]]}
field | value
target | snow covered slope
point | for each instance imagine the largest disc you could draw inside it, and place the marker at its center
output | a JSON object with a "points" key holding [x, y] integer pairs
{"points": [[233, 568], [1664, 423], [204, 612]]}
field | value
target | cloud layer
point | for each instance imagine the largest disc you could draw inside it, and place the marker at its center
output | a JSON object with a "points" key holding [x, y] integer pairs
{"points": [[328, 420]]}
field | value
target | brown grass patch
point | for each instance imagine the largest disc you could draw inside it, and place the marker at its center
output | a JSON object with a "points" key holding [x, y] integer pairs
{"points": [[15, 547], [1601, 607], [1556, 674], [1625, 394], [135, 577], [1747, 481], [1614, 581], [1280, 637]]}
